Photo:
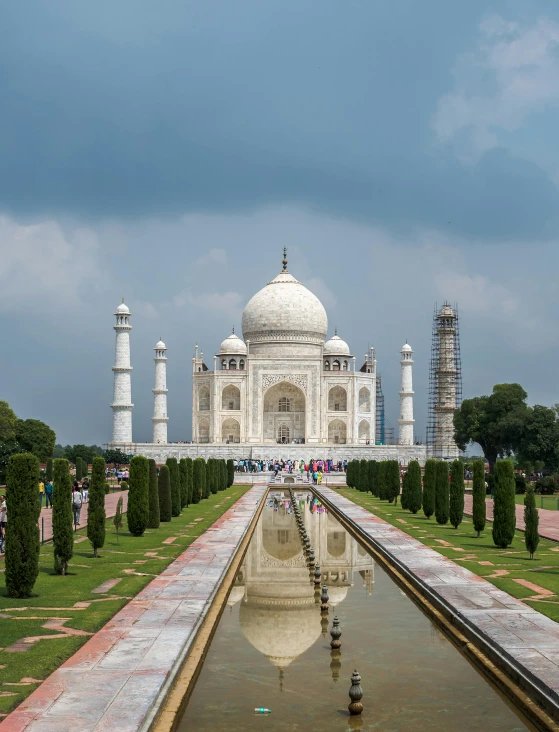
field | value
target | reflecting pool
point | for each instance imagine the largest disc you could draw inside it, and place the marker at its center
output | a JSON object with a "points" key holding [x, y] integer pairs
{"points": [[272, 646]]}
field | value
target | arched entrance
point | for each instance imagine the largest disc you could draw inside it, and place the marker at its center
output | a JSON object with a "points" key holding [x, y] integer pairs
{"points": [[284, 414], [337, 432], [231, 431]]}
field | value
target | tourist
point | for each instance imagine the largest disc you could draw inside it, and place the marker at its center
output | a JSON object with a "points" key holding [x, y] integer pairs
{"points": [[3, 522], [48, 494], [319, 477], [41, 491], [85, 490], [77, 501]]}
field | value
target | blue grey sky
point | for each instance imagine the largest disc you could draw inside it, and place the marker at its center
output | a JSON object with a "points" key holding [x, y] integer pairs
{"points": [[166, 152]]}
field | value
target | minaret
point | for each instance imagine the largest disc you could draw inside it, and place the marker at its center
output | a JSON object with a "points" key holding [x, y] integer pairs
{"points": [[447, 376], [160, 418], [122, 395], [406, 420]]}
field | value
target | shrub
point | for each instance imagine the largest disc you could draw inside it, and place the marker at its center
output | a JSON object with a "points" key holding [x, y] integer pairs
{"points": [[137, 512], [404, 496], [520, 484], [478, 496], [381, 480], [164, 486], [372, 473], [531, 521], [96, 506], [174, 477], [212, 476], [490, 480], [413, 478], [392, 481], [504, 506], [198, 480], [48, 471], [223, 475], [124, 485], [189, 478], [442, 495], [22, 531], [117, 520], [183, 470], [107, 488], [153, 500], [545, 485], [363, 484], [456, 502], [230, 473], [62, 518], [429, 488]]}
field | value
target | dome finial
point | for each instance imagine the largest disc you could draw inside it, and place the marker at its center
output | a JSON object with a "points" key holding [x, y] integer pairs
{"points": [[335, 331], [123, 301], [284, 259], [233, 330]]}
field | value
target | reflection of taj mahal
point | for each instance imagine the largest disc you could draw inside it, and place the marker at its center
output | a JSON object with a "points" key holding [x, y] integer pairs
{"points": [[273, 583], [285, 382]]}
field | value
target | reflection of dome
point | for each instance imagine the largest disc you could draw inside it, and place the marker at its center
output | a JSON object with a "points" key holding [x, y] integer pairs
{"points": [[280, 632], [233, 344], [336, 594], [335, 346], [285, 310], [236, 595]]}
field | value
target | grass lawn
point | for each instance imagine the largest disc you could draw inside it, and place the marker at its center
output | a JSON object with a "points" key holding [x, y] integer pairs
{"points": [[548, 502], [54, 597], [501, 567]]}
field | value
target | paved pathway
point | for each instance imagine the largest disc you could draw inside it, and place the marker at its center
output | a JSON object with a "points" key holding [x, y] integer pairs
{"points": [[113, 681], [503, 624], [549, 520], [111, 499]]}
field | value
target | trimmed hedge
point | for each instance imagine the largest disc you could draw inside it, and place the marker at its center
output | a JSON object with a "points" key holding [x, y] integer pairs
{"points": [[230, 473], [62, 517], [429, 485], [183, 474], [442, 493], [164, 486], [174, 477], [456, 504], [189, 479], [137, 513], [96, 506], [504, 505], [531, 522], [199, 480], [478, 496], [392, 481], [153, 498], [413, 488]]}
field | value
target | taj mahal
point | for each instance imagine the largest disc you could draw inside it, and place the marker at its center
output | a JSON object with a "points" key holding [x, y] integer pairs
{"points": [[285, 389]]}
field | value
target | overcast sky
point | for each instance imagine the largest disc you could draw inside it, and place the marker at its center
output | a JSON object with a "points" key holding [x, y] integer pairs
{"points": [[405, 152]]}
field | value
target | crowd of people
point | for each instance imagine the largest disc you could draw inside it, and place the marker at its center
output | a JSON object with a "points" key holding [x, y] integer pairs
{"points": [[290, 466]]}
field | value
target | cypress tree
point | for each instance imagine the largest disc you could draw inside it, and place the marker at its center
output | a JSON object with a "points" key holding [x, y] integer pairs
{"points": [[429, 482], [205, 482], [442, 492], [137, 513], [62, 518], [174, 477], [48, 472], [372, 473], [392, 481], [456, 502], [22, 531], [356, 475], [404, 496], [117, 520], [413, 479], [478, 496], [504, 506], [213, 476], [222, 475], [164, 486], [197, 485], [153, 514], [381, 480], [183, 473], [230, 473], [96, 506], [348, 474], [363, 476], [531, 521], [189, 480], [78, 465]]}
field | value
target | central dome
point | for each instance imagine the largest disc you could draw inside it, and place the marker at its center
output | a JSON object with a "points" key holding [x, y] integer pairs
{"points": [[285, 310]]}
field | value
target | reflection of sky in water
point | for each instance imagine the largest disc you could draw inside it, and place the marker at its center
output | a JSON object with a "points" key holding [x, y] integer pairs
{"points": [[272, 647]]}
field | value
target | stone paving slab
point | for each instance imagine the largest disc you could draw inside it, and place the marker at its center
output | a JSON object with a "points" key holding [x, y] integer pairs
{"points": [[113, 681], [513, 630]]}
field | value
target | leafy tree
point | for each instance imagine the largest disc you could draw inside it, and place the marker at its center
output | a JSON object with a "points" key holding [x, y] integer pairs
{"points": [[153, 513], [363, 476], [442, 495], [230, 473], [59, 451], [137, 513], [413, 499], [429, 487], [456, 504], [189, 477], [96, 506], [8, 423], [36, 437], [22, 532], [478, 496], [496, 422], [174, 476], [198, 480], [392, 481], [62, 518], [117, 520], [183, 474], [540, 438], [531, 521], [504, 506], [48, 472], [117, 457], [165, 504], [85, 452], [78, 464]]}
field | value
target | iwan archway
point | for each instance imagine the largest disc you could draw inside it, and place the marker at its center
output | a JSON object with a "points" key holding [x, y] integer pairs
{"points": [[284, 414]]}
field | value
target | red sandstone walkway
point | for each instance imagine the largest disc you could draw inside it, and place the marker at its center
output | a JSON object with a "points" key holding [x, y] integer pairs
{"points": [[549, 520]]}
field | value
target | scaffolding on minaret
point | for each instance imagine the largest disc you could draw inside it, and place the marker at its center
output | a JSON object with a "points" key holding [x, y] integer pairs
{"points": [[445, 383], [384, 431]]}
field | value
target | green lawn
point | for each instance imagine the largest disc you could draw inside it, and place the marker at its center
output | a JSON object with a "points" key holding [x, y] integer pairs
{"points": [[55, 596], [511, 563], [548, 502]]}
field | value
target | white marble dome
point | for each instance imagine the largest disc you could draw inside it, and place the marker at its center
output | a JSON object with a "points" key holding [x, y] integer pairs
{"points": [[122, 309], [233, 345], [160, 346], [406, 348], [336, 346], [285, 310]]}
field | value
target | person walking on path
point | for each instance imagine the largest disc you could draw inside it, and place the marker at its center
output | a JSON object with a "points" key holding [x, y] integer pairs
{"points": [[3, 522], [48, 494], [41, 491], [77, 501]]}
